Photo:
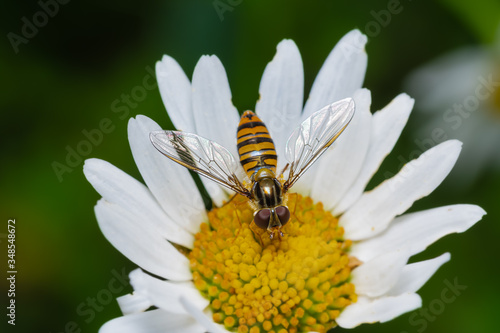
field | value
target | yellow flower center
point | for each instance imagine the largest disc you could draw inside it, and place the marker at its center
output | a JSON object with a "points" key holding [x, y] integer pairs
{"points": [[299, 283]]}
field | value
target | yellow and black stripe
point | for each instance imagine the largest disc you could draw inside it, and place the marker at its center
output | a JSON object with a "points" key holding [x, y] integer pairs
{"points": [[255, 146]]}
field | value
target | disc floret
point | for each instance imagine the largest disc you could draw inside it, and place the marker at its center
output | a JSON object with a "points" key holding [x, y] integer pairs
{"points": [[299, 283]]}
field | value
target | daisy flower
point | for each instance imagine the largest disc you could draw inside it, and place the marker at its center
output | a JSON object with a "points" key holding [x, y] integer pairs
{"points": [[459, 96], [344, 257]]}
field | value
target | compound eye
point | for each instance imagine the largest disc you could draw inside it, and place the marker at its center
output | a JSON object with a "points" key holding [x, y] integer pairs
{"points": [[262, 217], [283, 214]]}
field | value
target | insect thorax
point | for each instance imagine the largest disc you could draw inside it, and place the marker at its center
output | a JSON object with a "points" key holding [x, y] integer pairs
{"points": [[267, 192]]}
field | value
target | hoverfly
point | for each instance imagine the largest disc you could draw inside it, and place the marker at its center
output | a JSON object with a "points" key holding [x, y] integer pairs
{"points": [[259, 159]]}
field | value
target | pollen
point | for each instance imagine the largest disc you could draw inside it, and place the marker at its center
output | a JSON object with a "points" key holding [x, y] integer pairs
{"points": [[297, 283]]}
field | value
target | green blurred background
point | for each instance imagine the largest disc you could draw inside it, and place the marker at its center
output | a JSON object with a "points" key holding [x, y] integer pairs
{"points": [[64, 79]]}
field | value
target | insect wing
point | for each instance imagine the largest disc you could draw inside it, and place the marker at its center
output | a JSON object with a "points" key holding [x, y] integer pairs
{"points": [[314, 136], [200, 155]]}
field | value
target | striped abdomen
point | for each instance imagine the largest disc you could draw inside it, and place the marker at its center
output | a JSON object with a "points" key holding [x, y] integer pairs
{"points": [[255, 146]]}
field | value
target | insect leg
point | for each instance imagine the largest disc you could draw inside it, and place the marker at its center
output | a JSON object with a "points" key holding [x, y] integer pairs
{"points": [[257, 232], [296, 198], [238, 218]]}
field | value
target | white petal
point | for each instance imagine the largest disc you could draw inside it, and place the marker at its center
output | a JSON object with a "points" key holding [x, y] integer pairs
{"points": [[373, 212], [215, 116], [414, 232], [170, 183], [201, 317], [387, 125], [341, 75], [175, 90], [217, 193], [140, 243], [133, 303], [281, 94], [367, 310], [155, 321], [165, 294], [375, 277], [117, 187], [415, 275], [340, 165]]}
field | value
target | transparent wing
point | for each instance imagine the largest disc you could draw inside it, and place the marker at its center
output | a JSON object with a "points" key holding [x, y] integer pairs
{"points": [[201, 155], [314, 136]]}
